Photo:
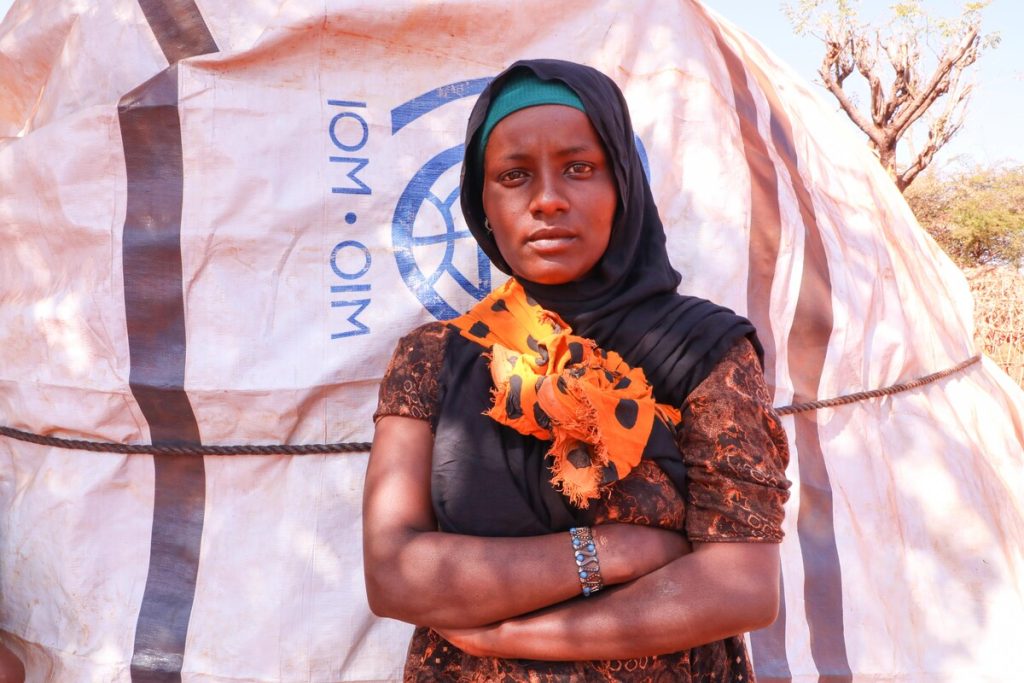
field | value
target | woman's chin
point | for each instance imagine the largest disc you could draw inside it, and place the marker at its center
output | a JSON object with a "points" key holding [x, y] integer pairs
{"points": [[550, 271], [549, 278]]}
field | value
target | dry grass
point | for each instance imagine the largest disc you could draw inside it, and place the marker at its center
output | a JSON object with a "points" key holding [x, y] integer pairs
{"points": [[999, 316]]}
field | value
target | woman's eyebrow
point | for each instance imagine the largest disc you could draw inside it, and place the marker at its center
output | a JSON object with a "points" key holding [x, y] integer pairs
{"points": [[575, 149], [563, 152]]}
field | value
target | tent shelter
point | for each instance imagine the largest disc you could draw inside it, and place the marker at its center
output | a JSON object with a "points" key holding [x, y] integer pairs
{"points": [[217, 218]]}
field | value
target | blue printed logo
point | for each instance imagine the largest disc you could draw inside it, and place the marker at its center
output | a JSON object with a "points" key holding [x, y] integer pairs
{"points": [[424, 233]]}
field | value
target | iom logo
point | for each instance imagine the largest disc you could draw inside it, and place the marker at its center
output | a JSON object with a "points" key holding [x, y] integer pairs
{"points": [[435, 252], [437, 256]]}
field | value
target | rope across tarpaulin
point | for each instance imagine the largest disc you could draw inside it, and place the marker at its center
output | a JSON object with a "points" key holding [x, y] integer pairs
{"points": [[150, 449], [364, 446], [876, 393]]}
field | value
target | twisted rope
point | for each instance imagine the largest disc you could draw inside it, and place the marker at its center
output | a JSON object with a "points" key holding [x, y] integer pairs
{"points": [[199, 449], [364, 446], [876, 393]]}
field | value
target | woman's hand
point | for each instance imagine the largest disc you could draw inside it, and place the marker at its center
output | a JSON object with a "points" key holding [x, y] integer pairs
{"points": [[420, 575]]}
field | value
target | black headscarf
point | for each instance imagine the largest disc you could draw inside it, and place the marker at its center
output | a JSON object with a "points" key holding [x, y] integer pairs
{"points": [[488, 479], [628, 302]]}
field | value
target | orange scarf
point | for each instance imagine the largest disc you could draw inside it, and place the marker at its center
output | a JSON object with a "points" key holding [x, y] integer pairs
{"points": [[548, 383]]}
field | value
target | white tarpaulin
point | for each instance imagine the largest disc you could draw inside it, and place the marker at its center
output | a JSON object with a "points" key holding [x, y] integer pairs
{"points": [[217, 218]]}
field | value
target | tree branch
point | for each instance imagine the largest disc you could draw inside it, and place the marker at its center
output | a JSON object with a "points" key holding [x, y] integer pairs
{"points": [[895, 106], [903, 55], [834, 70], [954, 59], [941, 131]]}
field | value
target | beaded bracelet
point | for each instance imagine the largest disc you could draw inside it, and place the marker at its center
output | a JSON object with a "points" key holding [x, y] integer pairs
{"points": [[585, 552]]}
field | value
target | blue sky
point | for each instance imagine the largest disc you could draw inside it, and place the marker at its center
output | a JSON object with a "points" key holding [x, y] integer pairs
{"points": [[990, 134]]}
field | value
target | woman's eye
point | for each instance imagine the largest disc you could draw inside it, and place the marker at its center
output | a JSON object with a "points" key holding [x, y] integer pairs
{"points": [[579, 168], [511, 176]]}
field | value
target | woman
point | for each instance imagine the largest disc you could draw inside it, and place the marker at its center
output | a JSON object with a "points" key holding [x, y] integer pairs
{"points": [[533, 414]]}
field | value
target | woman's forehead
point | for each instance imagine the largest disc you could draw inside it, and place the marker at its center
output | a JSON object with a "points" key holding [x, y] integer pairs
{"points": [[553, 126]]}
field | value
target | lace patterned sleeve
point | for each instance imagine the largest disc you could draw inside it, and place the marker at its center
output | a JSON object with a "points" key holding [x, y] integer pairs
{"points": [[736, 454], [410, 384]]}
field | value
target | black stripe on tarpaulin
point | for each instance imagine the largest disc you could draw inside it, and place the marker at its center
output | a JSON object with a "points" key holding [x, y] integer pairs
{"points": [[162, 627], [155, 314], [768, 645], [179, 28], [809, 336], [155, 317], [765, 213], [154, 311]]}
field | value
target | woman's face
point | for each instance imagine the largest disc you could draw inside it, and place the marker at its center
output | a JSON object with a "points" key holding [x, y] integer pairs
{"points": [[549, 194]]}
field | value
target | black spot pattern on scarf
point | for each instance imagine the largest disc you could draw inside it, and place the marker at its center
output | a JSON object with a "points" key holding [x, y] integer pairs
{"points": [[479, 329], [513, 402], [626, 412]]}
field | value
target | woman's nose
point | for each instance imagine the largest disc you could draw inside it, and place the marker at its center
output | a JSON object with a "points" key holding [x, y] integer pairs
{"points": [[548, 196]]}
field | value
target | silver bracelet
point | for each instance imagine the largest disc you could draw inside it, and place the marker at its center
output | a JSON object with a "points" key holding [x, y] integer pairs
{"points": [[585, 552]]}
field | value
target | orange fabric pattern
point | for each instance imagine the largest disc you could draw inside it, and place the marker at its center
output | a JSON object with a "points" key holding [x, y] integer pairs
{"points": [[551, 384]]}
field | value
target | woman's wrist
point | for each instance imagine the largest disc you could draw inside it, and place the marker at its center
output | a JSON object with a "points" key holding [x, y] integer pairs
{"points": [[588, 565], [611, 541], [629, 551]]}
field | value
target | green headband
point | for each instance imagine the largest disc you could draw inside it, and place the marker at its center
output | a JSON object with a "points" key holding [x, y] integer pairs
{"points": [[522, 90]]}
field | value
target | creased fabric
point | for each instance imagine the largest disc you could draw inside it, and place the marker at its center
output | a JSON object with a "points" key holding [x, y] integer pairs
{"points": [[559, 387]]}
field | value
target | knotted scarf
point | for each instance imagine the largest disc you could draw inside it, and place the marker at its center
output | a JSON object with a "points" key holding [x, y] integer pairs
{"points": [[596, 411]]}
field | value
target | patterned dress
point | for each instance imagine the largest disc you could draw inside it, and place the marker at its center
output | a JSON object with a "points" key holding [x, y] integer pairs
{"points": [[736, 453]]}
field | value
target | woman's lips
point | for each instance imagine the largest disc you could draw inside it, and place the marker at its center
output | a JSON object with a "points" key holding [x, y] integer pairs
{"points": [[551, 239]]}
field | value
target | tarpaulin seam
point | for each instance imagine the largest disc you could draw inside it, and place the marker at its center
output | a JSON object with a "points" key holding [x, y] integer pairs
{"points": [[154, 314], [811, 332], [179, 28], [151, 135], [765, 213], [768, 644]]}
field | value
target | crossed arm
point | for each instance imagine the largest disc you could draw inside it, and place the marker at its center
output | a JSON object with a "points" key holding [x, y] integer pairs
{"points": [[517, 597]]}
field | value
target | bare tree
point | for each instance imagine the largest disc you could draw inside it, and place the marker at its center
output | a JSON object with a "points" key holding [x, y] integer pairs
{"points": [[893, 58]]}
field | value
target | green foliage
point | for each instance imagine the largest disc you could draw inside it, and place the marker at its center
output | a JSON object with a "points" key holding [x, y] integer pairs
{"points": [[977, 215], [808, 16], [906, 18]]}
